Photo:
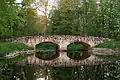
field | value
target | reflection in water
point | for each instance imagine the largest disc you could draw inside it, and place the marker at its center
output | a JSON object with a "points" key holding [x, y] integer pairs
{"points": [[79, 55], [47, 54], [93, 72]]}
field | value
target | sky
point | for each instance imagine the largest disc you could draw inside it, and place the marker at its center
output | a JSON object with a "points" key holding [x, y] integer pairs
{"points": [[18, 1], [51, 2]]}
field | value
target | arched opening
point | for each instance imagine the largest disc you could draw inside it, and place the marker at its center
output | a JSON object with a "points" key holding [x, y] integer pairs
{"points": [[78, 50], [47, 50]]}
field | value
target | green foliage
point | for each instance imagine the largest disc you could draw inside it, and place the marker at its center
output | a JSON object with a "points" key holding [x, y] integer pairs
{"points": [[86, 18], [6, 48], [109, 18], [7, 15], [17, 19], [60, 22], [72, 17], [61, 19]]}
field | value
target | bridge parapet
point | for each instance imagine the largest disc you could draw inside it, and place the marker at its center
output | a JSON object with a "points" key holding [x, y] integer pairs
{"points": [[61, 40]]}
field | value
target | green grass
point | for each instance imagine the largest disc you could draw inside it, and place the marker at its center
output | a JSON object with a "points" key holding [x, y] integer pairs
{"points": [[110, 44], [7, 47], [46, 45]]}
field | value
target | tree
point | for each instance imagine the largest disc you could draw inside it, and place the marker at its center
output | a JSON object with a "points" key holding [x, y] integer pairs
{"points": [[7, 15], [42, 7], [61, 18], [17, 19], [110, 13], [73, 17]]}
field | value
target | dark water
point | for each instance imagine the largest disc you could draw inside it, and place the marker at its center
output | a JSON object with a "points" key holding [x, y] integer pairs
{"points": [[94, 72]]}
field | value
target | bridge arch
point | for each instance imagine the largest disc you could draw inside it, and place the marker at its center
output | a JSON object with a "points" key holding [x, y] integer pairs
{"points": [[42, 45], [80, 52]]}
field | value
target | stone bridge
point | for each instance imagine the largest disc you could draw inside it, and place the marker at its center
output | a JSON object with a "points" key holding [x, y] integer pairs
{"points": [[61, 40]]}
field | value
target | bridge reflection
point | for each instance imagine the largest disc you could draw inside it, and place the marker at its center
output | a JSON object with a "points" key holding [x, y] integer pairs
{"points": [[85, 54], [64, 61]]}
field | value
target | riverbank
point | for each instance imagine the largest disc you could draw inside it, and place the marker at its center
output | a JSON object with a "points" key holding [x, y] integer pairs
{"points": [[109, 44], [8, 47]]}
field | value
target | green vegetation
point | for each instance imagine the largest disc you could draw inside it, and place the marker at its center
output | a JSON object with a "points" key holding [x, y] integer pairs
{"points": [[18, 19], [83, 18], [110, 44], [46, 50], [6, 48], [75, 50]]}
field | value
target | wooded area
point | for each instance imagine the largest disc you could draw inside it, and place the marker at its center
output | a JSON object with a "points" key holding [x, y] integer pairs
{"points": [[75, 17]]}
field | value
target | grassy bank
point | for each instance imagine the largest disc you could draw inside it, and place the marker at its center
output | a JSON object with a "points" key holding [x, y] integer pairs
{"points": [[110, 44], [7, 47]]}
